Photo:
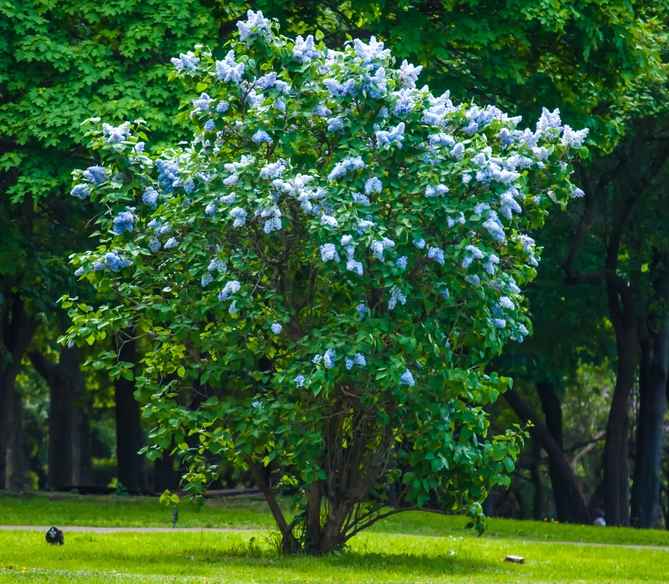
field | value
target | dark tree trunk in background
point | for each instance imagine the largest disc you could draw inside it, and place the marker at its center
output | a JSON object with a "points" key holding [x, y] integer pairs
{"points": [[17, 328], [652, 390], [550, 403], [129, 436], [69, 442], [538, 507], [555, 453], [652, 396], [616, 448], [164, 475]]}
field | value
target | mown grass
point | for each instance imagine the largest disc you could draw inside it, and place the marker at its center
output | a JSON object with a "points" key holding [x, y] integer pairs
{"points": [[252, 513], [370, 558]]}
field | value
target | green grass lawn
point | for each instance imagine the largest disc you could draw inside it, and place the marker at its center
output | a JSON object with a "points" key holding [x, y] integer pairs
{"points": [[411, 548]]}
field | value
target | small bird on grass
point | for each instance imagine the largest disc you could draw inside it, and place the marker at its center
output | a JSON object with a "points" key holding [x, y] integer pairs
{"points": [[55, 536]]}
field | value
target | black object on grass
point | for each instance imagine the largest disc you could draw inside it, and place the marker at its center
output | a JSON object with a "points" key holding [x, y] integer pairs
{"points": [[175, 517], [55, 536]]}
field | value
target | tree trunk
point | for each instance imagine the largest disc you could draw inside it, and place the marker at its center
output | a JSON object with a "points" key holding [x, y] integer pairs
{"points": [[616, 449], [17, 328], [550, 403], [129, 436], [333, 536], [16, 453], [652, 388], [313, 524], [648, 463], [538, 507], [164, 475], [69, 442], [555, 453]]}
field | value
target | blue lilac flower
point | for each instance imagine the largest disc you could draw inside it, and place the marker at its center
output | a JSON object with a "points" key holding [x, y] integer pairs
{"points": [[437, 191], [299, 381], [209, 125], [116, 134], [407, 378], [373, 185], [436, 254], [222, 107], [362, 309], [210, 210], [466, 178], [419, 243], [229, 70], [329, 252], [405, 103], [494, 227], [317, 359], [171, 242], [233, 307], [277, 328], [231, 287], [81, 191], [329, 358], [355, 266], [498, 322], [458, 151], [123, 222], [395, 297], [444, 291], [473, 279], [168, 173], [261, 136], [150, 197], [279, 105], [364, 225], [409, 74], [573, 139], [206, 279], [155, 245], [266, 81], [577, 193], [402, 262], [240, 216], [255, 24], [346, 165], [203, 104], [338, 89], [114, 262], [513, 287], [506, 302], [523, 329], [360, 360], [451, 221], [549, 120], [395, 136], [335, 124], [360, 199], [489, 266], [272, 224], [372, 52], [441, 139], [321, 111], [217, 264], [329, 221], [96, 174], [185, 61], [349, 363], [304, 49]]}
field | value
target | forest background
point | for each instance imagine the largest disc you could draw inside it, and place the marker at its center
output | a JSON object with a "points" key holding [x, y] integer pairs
{"points": [[592, 378]]}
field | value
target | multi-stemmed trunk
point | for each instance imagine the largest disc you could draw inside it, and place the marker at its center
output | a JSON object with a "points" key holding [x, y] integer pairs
{"points": [[17, 328]]}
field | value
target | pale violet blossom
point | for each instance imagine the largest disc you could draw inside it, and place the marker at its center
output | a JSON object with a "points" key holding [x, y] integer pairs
{"points": [[395, 297], [261, 136], [401, 262], [299, 380], [507, 303], [347, 164], [231, 287], [473, 279], [240, 216], [373, 185], [228, 70], [203, 103], [407, 378], [329, 252], [360, 199], [419, 243], [277, 328], [372, 52], [255, 24], [304, 49], [329, 358], [185, 61], [436, 254], [409, 74], [437, 191], [573, 139], [329, 221]]}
